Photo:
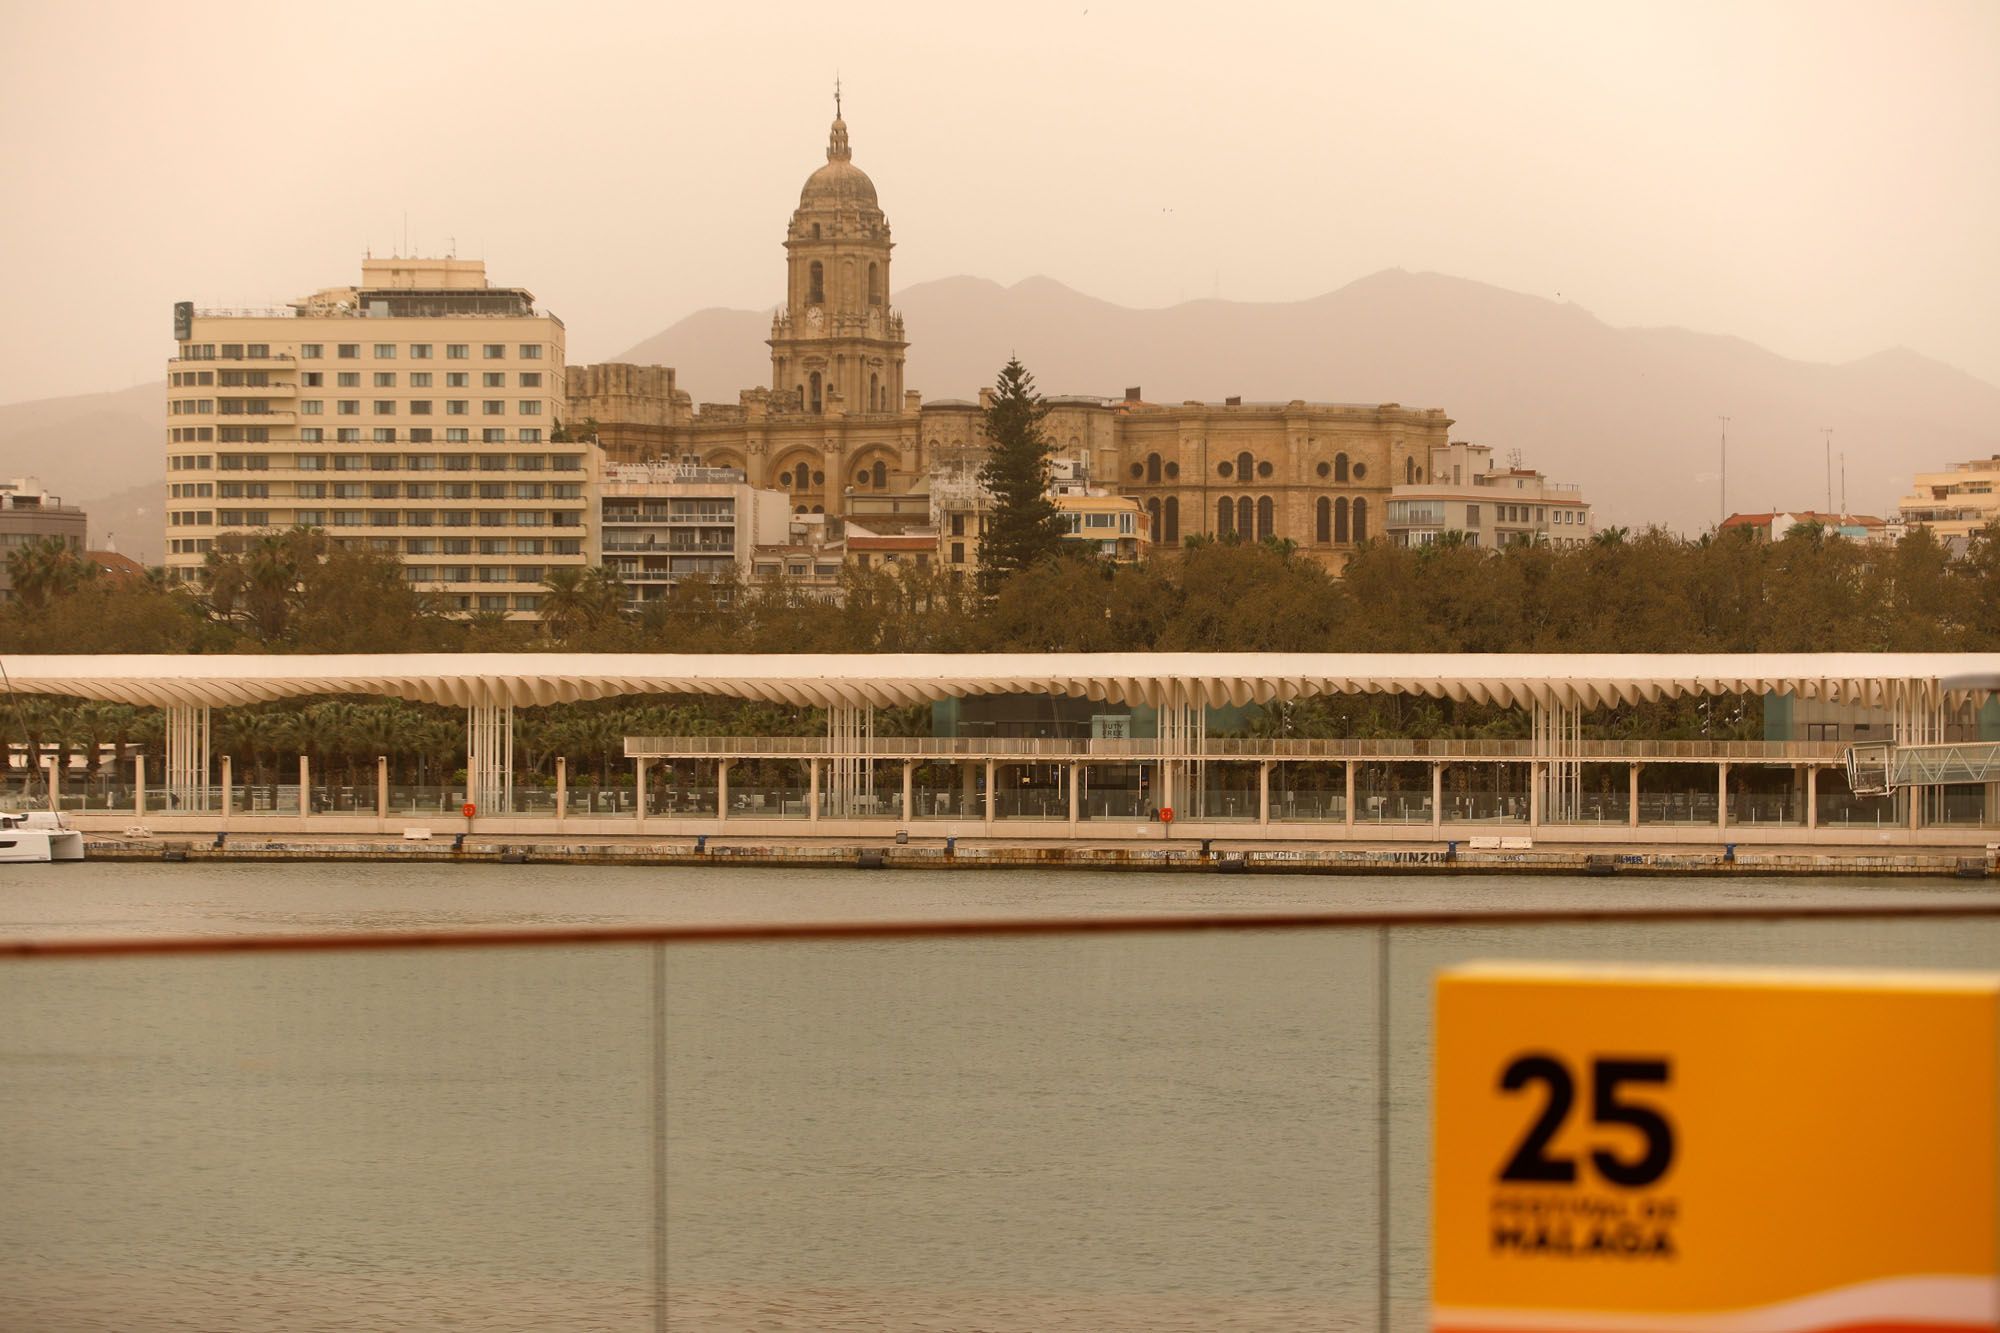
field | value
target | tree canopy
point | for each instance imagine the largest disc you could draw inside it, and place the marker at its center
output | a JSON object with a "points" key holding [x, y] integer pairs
{"points": [[1639, 592]]}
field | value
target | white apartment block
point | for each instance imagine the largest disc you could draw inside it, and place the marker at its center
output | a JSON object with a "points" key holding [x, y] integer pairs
{"points": [[415, 413], [1956, 503], [659, 523], [1487, 506]]}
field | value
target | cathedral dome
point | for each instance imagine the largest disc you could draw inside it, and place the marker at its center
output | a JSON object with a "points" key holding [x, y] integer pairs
{"points": [[838, 183]]}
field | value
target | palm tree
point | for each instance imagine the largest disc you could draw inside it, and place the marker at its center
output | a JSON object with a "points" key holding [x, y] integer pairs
{"points": [[45, 569], [578, 599]]}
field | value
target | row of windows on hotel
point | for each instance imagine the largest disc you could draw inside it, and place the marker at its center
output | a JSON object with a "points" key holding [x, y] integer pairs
{"points": [[380, 490], [379, 518], [434, 546], [349, 407], [377, 462], [347, 379], [352, 351], [352, 435], [1154, 470]]}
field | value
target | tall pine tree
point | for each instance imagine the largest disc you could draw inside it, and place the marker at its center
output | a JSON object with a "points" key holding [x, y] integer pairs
{"points": [[1024, 529]]}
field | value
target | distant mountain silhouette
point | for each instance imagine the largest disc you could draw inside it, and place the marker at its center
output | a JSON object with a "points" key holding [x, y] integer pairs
{"points": [[1628, 413], [90, 450]]}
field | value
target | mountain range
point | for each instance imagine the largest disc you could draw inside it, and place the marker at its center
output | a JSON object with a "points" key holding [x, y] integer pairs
{"points": [[1631, 414]]}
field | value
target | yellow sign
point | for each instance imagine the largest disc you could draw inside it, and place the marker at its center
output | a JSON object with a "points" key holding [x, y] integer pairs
{"points": [[1682, 1150]]}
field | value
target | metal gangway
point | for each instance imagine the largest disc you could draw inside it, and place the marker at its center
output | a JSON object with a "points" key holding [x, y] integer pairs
{"points": [[1877, 768]]}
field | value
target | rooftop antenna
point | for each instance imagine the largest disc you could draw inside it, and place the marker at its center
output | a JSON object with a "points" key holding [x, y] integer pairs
{"points": [[1722, 494], [406, 234], [1827, 432], [1843, 483]]}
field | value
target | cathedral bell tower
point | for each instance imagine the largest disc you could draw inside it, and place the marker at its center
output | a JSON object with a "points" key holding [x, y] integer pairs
{"points": [[837, 344]]}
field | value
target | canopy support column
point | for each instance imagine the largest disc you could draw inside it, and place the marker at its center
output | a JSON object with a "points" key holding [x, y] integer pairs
{"points": [[850, 743], [1183, 727], [187, 757], [489, 758], [1558, 739], [1916, 717]]}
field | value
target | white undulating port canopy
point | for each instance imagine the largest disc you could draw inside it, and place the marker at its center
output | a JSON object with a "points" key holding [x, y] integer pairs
{"points": [[528, 679]]}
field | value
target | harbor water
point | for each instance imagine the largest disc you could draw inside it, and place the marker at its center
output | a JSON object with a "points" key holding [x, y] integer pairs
{"points": [[1209, 1130]]}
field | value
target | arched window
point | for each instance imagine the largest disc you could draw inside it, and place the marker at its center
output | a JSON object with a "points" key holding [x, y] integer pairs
{"points": [[1360, 520], [815, 383], [1410, 471], [1340, 533], [1225, 517], [815, 231], [1152, 469], [1153, 512], [1267, 515], [1340, 467], [1172, 534], [1246, 466], [1323, 521], [1246, 516], [874, 285], [879, 474], [804, 477], [816, 284], [874, 393]]}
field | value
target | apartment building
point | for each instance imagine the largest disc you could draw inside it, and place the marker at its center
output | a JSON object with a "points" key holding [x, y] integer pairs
{"points": [[660, 523], [1111, 527], [1955, 503], [1484, 505], [416, 413], [29, 514]]}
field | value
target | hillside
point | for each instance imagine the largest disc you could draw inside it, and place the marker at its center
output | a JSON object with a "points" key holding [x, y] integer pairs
{"points": [[90, 450], [1631, 414], [1628, 413]]}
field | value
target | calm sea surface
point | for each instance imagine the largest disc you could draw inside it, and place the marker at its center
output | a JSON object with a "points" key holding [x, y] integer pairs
{"points": [[1134, 1132]]}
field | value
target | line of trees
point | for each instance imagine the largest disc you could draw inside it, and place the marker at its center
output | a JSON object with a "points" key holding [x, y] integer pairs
{"points": [[1649, 592]]}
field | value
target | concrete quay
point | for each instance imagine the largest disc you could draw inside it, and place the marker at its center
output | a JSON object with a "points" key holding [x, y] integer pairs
{"points": [[1197, 856]]}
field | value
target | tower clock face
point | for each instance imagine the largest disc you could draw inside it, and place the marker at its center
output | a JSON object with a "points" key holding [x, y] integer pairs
{"points": [[815, 316]]}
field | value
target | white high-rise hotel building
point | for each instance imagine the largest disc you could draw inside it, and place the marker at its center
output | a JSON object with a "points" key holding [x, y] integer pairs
{"points": [[415, 413]]}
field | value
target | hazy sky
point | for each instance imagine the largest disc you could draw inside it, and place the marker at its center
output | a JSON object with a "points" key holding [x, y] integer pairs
{"points": [[1820, 178]]}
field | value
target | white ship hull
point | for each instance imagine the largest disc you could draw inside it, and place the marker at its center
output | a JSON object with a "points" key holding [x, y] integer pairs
{"points": [[38, 837]]}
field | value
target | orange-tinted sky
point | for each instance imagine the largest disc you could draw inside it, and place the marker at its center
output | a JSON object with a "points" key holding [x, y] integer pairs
{"points": [[1821, 178]]}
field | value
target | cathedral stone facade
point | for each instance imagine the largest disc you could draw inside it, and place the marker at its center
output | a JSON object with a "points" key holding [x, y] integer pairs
{"points": [[837, 425]]}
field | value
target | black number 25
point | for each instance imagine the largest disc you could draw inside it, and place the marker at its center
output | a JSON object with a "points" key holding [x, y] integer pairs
{"points": [[1532, 1161]]}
